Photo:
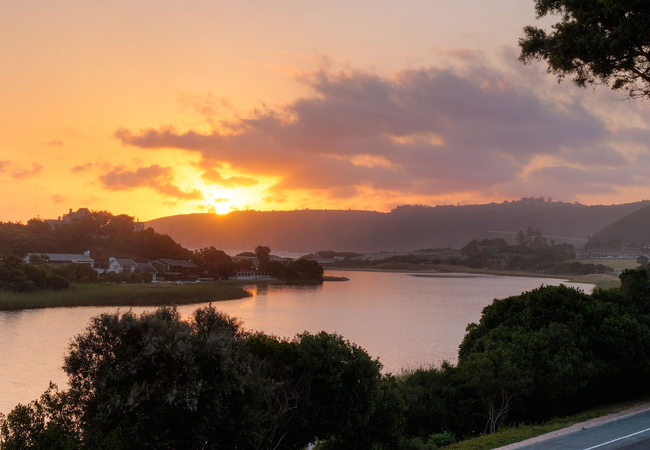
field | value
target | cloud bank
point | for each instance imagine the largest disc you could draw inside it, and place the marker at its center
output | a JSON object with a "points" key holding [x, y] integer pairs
{"points": [[508, 131]]}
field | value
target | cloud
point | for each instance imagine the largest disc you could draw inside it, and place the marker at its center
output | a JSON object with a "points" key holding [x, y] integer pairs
{"points": [[211, 176], [55, 142], [154, 176], [27, 173], [82, 167], [424, 132], [58, 198], [220, 200]]}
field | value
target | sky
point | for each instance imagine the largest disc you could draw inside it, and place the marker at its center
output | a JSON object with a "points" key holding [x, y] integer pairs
{"points": [[156, 108]]}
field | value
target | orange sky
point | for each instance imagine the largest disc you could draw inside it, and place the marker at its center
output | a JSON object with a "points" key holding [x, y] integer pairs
{"points": [[167, 107]]}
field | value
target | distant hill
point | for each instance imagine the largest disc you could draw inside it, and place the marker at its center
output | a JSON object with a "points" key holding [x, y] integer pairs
{"points": [[405, 228], [632, 230]]}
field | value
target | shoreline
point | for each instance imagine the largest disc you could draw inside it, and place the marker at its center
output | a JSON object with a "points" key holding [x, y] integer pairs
{"points": [[603, 281], [121, 295]]}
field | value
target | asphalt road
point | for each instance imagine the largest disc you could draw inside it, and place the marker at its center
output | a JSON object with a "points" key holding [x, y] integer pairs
{"points": [[628, 433]]}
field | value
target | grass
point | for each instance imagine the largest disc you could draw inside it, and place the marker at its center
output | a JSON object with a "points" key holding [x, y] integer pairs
{"points": [[521, 432], [121, 295]]}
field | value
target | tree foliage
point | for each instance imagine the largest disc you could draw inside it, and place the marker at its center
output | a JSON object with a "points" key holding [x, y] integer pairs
{"points": [[596, 42]]}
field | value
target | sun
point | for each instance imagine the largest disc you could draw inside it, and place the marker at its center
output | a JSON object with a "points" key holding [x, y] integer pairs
{"points": [[222, 208]]}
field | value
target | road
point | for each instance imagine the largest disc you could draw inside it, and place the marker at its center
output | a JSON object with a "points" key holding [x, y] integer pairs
{"points": [[627, 433]]}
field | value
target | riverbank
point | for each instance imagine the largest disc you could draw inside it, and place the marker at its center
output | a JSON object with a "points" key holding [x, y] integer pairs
{"points": [[122, 295], [603, 281]]}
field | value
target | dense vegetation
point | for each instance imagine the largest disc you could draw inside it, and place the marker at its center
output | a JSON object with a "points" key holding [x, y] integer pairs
{"points": [[301, 271], [157, 381], [17, 276]]}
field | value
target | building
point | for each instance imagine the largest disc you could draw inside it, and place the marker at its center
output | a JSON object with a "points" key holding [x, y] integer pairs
{"points": [[67, 218], [61, 259], [176, 267], [82, 212], [120, 265], [146, 268]]}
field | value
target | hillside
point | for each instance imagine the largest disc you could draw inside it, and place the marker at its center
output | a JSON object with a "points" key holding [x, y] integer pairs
{"points": [[632, 230], [404, 228]]}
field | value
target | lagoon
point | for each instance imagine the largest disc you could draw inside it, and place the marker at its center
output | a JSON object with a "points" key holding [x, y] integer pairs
{"points": [[405, 320]]}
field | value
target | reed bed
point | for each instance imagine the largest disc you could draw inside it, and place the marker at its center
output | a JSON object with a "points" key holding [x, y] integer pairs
{"points": [[121, 295]]}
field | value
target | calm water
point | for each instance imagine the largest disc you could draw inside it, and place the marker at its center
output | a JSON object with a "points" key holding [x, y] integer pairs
{"points": [[401, 319]]}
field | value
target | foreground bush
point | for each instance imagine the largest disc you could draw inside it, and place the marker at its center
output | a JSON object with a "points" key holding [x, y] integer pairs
{"points": [[156, 381]]}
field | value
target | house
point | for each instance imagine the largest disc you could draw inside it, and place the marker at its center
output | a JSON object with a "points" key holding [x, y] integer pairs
{"points": [[67, 218], [255, 261], [146, 268], [61, 259], [81, 212], [177, 267], [120, 265], [283, 261]]}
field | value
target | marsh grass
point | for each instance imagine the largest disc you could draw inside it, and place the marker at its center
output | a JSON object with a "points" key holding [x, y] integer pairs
{"points": [[121, 295]]}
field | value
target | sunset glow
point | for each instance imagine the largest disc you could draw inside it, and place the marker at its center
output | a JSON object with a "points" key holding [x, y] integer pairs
{"points": [[160, 108]]}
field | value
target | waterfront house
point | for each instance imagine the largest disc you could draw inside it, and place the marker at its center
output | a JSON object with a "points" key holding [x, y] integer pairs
{"points": [[121, 265], [176, 267], [146, 268]]}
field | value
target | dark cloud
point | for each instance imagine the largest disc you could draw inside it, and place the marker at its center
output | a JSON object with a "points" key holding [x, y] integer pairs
{"points": [[55, 142], [427, 132], [211, 176], [156, 177]]}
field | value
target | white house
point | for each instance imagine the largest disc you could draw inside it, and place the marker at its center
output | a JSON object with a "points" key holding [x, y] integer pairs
{"points": [[120, 265]]}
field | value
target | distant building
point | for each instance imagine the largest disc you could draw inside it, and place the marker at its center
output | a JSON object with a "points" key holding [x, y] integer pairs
{"points": [[81, 212], [67, 218], [119, 265], [62, 259], [255, 261], [177, 267]]}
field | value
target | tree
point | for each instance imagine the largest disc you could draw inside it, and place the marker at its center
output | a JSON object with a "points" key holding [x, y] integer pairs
{"points": [[263, 254], [521, 239], [642, 260], [596, 42], [162, 382]]}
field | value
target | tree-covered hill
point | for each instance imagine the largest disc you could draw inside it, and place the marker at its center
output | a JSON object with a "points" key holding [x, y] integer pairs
{"points": [[632, 230], [101, 232], [407, 227]]}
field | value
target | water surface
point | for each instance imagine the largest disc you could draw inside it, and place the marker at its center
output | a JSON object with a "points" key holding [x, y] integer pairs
{"points": [[401, 319]]}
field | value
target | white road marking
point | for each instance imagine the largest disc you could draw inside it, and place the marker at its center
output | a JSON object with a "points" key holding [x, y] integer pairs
{"points": [[624, 437]]}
